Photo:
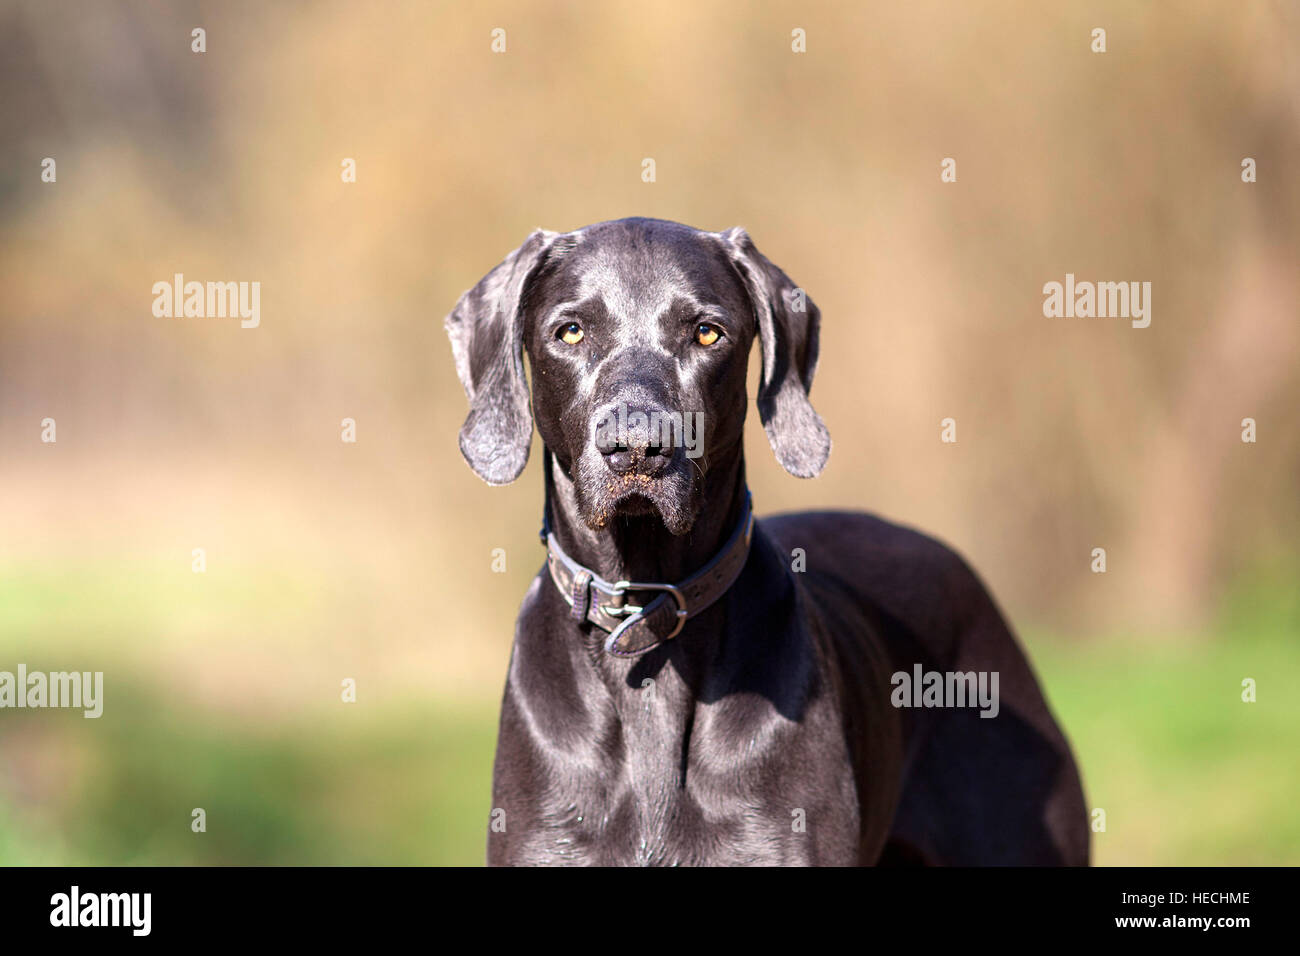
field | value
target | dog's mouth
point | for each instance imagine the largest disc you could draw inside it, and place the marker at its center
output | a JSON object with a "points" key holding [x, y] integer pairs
{"points": [[640, 496], [632, 495], [634, 503]]}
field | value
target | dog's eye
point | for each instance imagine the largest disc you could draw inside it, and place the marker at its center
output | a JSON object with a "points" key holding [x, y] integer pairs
{"points": [[707, 334], [571, 334]]}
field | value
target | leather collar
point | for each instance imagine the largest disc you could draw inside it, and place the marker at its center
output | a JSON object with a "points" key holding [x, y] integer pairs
{"points": [[634, 629]]}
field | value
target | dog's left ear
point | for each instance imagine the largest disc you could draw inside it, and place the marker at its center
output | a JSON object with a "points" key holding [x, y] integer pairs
{"points": [[788, 326], [486, 331]]}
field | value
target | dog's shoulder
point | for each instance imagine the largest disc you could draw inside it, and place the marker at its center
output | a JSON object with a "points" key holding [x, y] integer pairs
{"points": [[904, 578], [858, 543]]}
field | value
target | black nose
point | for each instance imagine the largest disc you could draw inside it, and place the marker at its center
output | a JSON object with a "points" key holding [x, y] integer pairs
{"points": [[635, 444], [624, 459]]}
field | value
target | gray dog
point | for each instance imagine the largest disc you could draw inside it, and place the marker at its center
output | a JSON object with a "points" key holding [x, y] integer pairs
{"points": [[688, 685]]}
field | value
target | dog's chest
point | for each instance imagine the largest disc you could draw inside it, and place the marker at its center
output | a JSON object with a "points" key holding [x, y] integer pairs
{"points": [[704, 786], [606, 762], [617, 821]]}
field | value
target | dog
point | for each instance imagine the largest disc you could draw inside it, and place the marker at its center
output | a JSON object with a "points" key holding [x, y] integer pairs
{"points": [[690, 686]]}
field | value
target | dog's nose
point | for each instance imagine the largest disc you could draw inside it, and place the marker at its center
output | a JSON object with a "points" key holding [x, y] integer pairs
{"points": [[635, 444], [624, 458]]}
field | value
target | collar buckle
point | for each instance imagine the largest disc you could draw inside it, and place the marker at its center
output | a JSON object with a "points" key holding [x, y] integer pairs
{"points": [[631, 611], [583, 591]]}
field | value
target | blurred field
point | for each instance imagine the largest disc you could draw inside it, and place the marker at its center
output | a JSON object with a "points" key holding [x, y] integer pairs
{"points": [[329, 560], [1187, 773]]}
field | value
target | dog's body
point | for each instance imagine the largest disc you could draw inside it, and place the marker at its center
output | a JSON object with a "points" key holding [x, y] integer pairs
{"points": [[766, 731]]}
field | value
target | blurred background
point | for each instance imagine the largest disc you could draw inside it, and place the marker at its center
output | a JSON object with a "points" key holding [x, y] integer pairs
{"points": [[328, 560]]}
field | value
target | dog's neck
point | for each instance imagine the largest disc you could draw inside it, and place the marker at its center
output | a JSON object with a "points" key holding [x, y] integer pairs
{"points": [[639, 547]]}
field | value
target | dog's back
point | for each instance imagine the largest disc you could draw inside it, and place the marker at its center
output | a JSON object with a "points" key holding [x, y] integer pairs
{"points": [[974, 789]]}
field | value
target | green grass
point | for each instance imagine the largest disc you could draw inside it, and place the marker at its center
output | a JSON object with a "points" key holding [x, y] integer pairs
{"points": [[1186, 772], [359, 785]]}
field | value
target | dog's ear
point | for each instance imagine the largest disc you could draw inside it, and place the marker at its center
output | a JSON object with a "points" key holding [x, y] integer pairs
{"points": [[486, 331], [788, 325]]}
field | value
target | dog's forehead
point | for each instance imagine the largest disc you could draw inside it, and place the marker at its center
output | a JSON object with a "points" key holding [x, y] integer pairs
{"points": [[635, 269]]}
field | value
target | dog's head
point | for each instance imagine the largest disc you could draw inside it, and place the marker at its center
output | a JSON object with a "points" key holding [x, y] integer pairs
{"points": [[638, 334]]}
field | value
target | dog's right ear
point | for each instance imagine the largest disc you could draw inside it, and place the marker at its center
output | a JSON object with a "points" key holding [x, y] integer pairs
{"points": [[486, 331]]}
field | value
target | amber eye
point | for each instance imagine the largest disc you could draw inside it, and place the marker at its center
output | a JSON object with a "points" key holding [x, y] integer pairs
{"points": [[707, 334], [571, 334]]}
